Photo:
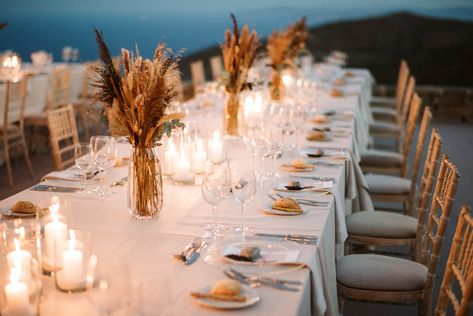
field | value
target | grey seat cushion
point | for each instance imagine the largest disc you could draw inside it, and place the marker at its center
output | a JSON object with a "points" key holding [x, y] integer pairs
{"points": [[379, 126], [385, 184], [379, 110], [381, 273], [381, 224], [374, 157]]}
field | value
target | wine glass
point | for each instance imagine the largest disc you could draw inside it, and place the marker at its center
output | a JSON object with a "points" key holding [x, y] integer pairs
{"points": [[84, 162], [243, 189], [104, 153], [215, 185]]}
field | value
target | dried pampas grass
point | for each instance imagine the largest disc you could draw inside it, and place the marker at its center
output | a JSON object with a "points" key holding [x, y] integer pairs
{"points": [[136, 100]]}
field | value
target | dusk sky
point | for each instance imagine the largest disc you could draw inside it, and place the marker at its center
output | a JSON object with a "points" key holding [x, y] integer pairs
{"points": [[191, 24], [46, 6]]}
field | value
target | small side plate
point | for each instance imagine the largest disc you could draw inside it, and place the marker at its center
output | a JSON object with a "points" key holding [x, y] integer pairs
{"points": [[252, 297]]}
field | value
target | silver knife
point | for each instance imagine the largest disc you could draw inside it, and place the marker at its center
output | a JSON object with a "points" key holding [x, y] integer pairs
{"points": [[194, 254], [53, 188]]}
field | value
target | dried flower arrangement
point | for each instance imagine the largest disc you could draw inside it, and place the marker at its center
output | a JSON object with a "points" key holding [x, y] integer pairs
{"points": [[239, 52], [283, 47], [136, 103]]}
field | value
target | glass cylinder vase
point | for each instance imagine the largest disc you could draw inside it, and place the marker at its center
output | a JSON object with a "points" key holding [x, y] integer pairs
{"points": [[277, 86], [145, 183], [231, 121]]}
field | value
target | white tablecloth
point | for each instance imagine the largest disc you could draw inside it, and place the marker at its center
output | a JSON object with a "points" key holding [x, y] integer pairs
{"points": [[147, 246]]}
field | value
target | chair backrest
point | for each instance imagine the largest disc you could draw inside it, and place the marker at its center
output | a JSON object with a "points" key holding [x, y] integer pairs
{"points": [[460, 267], [88, 78], [401, 84], [424, 125], [426, 185], [63, 135], [14, 102], [197, 74], [60, 87], [406, 102], [438, 215], [216, 66], [411, 127]]}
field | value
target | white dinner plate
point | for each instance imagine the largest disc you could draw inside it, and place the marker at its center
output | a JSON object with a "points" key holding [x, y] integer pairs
{"points": [[269, 209], [252, 297]]}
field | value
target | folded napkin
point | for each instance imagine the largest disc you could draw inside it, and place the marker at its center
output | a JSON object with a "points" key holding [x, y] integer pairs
{"points": [[71, 174]]}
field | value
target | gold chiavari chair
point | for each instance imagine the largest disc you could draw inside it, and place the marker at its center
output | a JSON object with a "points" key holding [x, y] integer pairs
{"points": [[389, 188], [386, 106], [394, 129], [388, 162], [198, 75], [63, 135], [216, 66], [377, 278], [383, 228], [87, 105], [459, 268], [12, 128], [58, 95]]}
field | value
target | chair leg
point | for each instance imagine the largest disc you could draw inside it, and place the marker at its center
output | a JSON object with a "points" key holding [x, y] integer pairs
{"points": [[27, 155], [341, 305], [6, 149]]}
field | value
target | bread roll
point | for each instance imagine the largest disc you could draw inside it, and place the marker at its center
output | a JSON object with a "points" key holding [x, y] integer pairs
{"points": [[319, 119], [316, 135], [226, 287], [287, 205], [299, 163], [336, 93], [24, 207]]}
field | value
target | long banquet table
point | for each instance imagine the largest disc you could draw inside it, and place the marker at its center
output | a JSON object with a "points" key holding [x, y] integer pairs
{"points": [[148, 246]]}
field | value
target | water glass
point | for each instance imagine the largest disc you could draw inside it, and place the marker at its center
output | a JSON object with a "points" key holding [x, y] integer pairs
{"points": [[84, 162], [243, 185]]}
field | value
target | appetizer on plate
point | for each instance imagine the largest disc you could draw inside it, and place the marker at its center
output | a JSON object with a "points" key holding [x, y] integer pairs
{"points": [[336, 93], [287, 205], [298, 164], [318, 136], [223, 290]]}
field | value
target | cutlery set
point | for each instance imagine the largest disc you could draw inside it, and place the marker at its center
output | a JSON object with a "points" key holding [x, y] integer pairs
{"points": [[307, 202], [191, 252], [66, 189], [301, 239], [255, 281]]}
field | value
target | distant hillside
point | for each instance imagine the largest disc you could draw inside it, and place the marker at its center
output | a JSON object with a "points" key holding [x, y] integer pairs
{"points": [[438, 51]]}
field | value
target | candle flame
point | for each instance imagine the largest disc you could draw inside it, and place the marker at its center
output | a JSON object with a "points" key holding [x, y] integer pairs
{"points": [[17, 244], [72, 240], [54, 207]]}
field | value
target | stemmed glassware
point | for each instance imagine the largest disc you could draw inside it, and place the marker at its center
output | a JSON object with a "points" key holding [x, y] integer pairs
{"points": [[215, 186], [84, 162], [243, 189], [105, 154]]}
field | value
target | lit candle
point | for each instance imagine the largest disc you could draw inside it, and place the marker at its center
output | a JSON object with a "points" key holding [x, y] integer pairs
{"points": [[182, 172], [254, 109], [216, 148], [287, 80], [55, 235], [200, 157], [170, 156], [16, 294], [20, 258], [72, 271]]}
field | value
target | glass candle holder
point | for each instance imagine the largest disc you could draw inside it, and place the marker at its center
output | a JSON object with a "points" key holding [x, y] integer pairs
{"points": [[20, 283], [183, 171], [72, 263]]}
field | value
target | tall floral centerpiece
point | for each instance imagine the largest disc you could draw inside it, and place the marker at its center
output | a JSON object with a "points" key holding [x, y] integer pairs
{"points": [[283, 47], [238, 51], [136, 99]]}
